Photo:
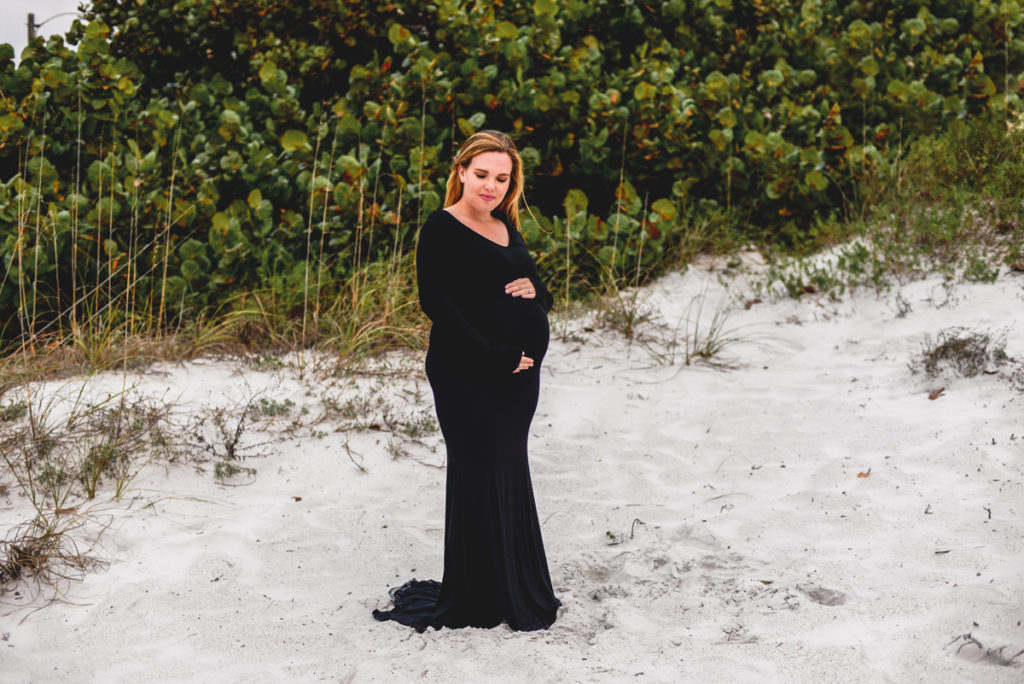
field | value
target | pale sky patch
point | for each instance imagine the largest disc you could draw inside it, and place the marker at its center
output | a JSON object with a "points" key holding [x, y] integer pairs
{"points": [[14, 20]]}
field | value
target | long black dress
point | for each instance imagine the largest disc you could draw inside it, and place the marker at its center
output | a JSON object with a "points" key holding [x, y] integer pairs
{"points": [[494, 564]]}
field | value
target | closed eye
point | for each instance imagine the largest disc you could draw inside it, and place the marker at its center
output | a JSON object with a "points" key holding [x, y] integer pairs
{"points": [[500, 179]]}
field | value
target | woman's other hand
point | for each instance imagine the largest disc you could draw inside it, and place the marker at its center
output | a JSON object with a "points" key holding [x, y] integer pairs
{"points": [[521, 287], [524, 363]]}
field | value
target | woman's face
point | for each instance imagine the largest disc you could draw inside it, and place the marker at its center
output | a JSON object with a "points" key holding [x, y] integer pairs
{"points": [[485, 180]]}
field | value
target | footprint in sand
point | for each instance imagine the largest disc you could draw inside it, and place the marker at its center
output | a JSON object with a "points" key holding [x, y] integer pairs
{"points": [[823, 595]]}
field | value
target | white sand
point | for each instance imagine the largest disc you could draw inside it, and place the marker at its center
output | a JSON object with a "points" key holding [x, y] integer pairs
{"points": [[701, 525]]}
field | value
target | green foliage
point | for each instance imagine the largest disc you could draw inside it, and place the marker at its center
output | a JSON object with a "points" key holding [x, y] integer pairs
{"points": [[13, 411], [951, 205], [271, 408], [180, 154]]}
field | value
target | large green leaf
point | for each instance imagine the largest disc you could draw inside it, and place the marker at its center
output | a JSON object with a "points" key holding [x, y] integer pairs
{"points": [[268, 73], [506, 30], [664, 209], [398, 34], [816, 179], [10, 122], [575, 202], [545, 7], [254, 199], [293, 139]]}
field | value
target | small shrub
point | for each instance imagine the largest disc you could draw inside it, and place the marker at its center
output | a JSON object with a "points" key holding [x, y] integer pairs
{"points": [[268, 363], [418, 427], [13, 411], [223, 470], [100, 460], [962, 351], [979, 270], [225, 442], [271, 408]]}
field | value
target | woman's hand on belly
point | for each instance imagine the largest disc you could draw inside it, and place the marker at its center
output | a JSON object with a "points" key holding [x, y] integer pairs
{"points": [[521, 287], [513, 316], [524, 363]]}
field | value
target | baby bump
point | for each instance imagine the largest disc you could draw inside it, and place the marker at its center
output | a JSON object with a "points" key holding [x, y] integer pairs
{"points": [[520, 322]]}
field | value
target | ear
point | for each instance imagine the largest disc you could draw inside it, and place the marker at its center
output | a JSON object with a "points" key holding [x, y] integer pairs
{"points": [[462, 174]]}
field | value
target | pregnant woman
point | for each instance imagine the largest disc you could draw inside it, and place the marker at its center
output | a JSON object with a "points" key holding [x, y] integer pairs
{"points": [[480, 288]]}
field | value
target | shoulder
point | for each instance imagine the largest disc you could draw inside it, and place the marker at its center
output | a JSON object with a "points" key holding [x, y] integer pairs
{"points": [[436, 224], [438, 217]]}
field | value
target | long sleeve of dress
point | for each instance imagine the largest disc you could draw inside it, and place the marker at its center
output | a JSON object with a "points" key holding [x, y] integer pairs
{"points": [[543, 294], [436, 276]]}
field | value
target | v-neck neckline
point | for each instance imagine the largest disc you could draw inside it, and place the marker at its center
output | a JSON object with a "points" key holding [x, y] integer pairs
{"points": [[481, 235]]}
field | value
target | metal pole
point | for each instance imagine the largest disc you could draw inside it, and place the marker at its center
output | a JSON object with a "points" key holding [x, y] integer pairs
{"points": [[31, 26]]}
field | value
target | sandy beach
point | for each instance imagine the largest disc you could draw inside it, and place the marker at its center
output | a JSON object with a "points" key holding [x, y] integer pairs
{"points": [[807, 515]]}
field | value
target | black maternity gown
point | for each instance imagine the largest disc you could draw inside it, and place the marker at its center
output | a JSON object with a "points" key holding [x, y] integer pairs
{"points": [[494, 564]]}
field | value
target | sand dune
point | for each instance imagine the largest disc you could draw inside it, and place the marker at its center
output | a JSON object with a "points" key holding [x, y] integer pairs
{"points": [[807, 516]]}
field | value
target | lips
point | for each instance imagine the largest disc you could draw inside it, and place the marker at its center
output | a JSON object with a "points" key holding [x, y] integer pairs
{"points": [[487, 198]]}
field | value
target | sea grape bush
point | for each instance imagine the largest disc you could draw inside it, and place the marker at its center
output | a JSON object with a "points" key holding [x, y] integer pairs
{"points": [[194, 150]]}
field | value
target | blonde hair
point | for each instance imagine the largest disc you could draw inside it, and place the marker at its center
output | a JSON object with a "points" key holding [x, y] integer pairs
{"points": [[489, 141]]}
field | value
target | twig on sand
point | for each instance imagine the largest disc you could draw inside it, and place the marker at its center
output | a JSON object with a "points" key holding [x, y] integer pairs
{"points": [[632, 528], [350, 451], [992, 655]]}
